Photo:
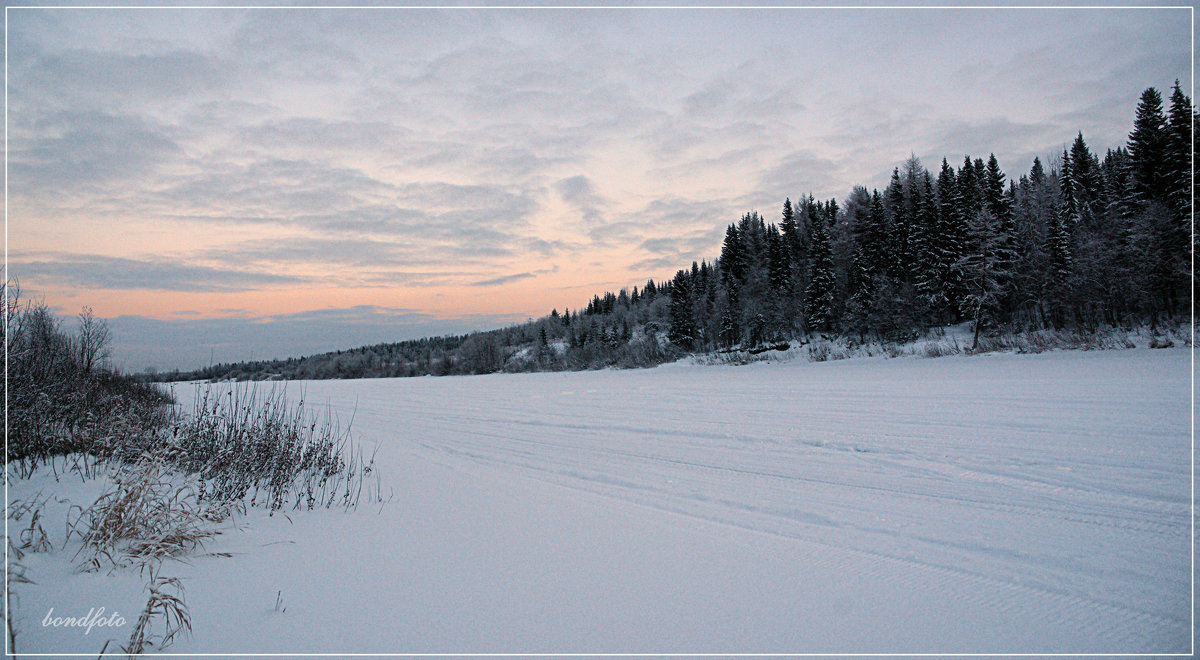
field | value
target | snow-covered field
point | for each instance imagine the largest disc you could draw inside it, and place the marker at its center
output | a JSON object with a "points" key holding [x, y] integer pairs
{"points": [[998, 503]]}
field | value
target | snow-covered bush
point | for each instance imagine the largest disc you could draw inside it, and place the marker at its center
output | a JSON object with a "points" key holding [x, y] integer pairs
{"points": [[61, 397]]}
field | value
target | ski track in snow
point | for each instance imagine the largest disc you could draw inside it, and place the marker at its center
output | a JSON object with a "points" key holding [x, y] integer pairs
{"points": [[875, 467], [989, 504]]}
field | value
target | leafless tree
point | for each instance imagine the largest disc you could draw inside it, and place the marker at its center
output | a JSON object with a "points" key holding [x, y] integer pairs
{"points": [[94, 337]]}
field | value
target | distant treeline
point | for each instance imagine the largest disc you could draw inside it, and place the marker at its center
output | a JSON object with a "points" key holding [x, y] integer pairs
{"points": [[1081, 242]]}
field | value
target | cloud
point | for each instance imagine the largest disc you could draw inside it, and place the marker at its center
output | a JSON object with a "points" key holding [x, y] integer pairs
{"points": [[579, 191], [272, 187], [75, 150], [93, 271], [302, 135], [580, 194], [679, 212], [800, 172], [546, 248], [293, 46], [94, 79], [503, 280], [686, 247], [288, 251], [657, 264], [981, 137], [355, 314], [660, 245]]}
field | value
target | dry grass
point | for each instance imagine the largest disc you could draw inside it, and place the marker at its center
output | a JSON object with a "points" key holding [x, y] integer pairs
{"points": [[32, 536], [248, 445], [166, 603], [236, 449], [145, 517], [173, 474], [148, 515], [15, 573]]}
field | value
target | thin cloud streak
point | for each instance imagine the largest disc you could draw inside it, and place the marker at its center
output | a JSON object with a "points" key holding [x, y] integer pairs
{"points": [[91, 271]]}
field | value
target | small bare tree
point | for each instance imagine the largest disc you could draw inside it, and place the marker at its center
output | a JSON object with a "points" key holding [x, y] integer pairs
{"points": [[94, 337], [10, 290]]}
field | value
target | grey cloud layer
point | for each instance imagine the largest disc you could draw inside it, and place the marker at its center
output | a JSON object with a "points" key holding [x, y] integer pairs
{"points": [[92, 271]]}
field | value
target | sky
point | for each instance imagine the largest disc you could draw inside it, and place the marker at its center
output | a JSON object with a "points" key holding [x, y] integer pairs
{"points": [[228, 184]]}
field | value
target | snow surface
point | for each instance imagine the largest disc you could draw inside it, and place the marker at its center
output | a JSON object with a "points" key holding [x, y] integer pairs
{"points": [[998, 503]]}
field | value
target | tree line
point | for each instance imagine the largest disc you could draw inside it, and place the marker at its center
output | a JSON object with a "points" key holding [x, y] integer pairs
{"points": [[1081, 242], [1090, 241]]}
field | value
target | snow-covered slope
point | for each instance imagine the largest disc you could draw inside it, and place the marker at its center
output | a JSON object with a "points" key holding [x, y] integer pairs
{"points": [[997, 503]]}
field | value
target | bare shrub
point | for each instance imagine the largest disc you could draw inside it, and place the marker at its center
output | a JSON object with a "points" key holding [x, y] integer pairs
{"points": [[1161, 342], [934, 348], [62, 400], [640, 352], [819, 350]]}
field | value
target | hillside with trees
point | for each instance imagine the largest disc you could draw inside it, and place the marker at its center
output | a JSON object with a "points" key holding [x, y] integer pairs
{"points": [[1084, 242]]}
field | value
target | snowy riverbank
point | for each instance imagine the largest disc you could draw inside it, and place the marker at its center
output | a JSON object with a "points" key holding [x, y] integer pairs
{"points": [[996, 503]]}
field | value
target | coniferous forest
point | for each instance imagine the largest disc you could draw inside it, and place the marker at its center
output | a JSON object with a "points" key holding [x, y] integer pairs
{"points": [[1081, 242]]}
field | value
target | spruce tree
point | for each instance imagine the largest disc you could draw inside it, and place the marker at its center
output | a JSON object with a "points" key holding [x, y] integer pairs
{"points": [[1086, 184], [1067, 188], [951, 238], [733, 258], [994, 195], [862, 291], [1058, 241], [927, 244], [779, 268], [683, 325], [1037, 174], [875, 237], [899, 265], [819, 294], [731, 331], [793, 239], [1148, 146], [999, 205], [1178, 166], [969, 192], [1120, 188], [790, 230]]}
